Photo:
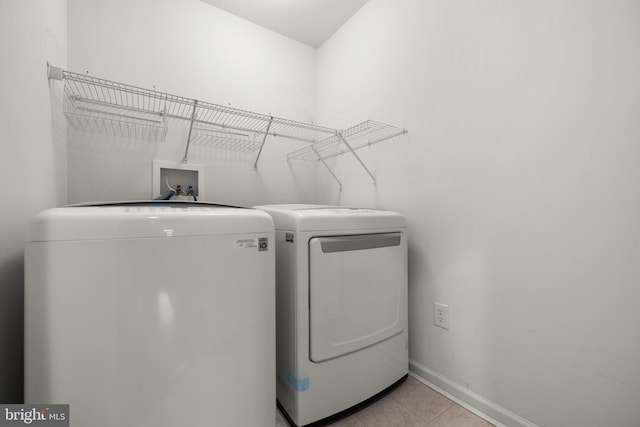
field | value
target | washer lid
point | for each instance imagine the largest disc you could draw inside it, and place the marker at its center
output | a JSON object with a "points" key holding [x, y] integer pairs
{"points": [[325, 217], [145, 220]]}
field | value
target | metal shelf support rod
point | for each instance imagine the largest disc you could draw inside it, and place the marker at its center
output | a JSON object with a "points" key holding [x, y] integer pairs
{"points": [[193, 117], [264, 139], [327, 166], [344, 141]]}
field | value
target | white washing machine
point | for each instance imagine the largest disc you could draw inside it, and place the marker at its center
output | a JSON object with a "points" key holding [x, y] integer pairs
{"points": [[153, 314], [341, 307]]}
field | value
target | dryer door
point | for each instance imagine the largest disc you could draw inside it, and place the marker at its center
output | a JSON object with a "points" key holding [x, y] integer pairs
{"points": [[357, 292]]}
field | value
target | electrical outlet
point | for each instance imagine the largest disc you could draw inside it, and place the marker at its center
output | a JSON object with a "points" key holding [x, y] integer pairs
{"points": [[441, 315]]}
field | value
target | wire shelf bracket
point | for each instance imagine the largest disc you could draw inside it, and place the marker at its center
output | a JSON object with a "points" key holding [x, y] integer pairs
{"points": [[323, 161], [344, 141], [264, 139], [185, 159]]}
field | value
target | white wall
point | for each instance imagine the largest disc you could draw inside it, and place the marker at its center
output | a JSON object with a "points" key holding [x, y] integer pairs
{"points": [[520, 180], [519, 176], [189, 48], [33, 161]]}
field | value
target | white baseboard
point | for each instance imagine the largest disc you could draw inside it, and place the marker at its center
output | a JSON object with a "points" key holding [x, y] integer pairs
{"points": [[477, 404]]}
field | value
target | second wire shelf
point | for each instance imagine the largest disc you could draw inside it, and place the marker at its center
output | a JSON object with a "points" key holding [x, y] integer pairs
{"points": [[361, 135]]}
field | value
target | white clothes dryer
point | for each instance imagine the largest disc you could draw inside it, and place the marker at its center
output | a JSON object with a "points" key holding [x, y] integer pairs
{"points": [[341, 307], [157, 314]]}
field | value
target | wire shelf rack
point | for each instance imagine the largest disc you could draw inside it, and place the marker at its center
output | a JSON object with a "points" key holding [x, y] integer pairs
{"points": [[102, 106], [106, 107]]}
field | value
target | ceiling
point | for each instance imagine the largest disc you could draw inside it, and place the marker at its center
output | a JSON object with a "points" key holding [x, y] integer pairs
{"points": [[309, 21]]}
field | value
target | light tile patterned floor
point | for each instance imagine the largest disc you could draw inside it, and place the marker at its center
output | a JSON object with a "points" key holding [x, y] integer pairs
{"points": [[412, 404]]}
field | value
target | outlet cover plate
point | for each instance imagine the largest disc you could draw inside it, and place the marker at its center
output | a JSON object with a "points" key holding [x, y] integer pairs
{"points": [[441, 315]]}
